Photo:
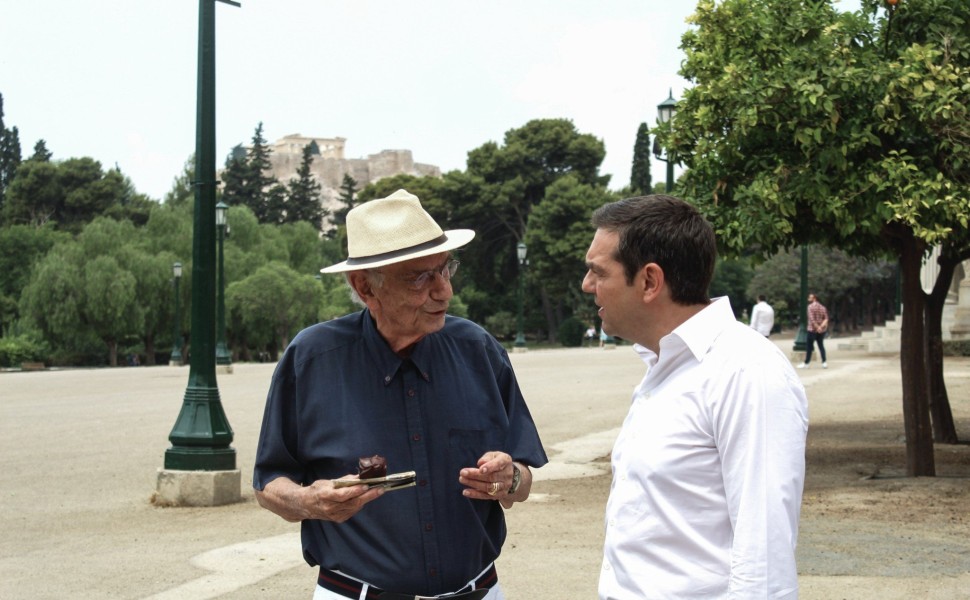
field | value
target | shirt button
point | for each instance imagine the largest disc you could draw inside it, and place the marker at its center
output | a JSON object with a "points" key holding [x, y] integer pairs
{"points": [[416, 437], [612, 522], [433, 572], [428, 527], [606, 567], [423, 482], [411, 393], [387, 378]]}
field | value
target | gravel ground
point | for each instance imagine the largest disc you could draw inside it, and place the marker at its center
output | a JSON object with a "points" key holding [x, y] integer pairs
{"points": [[80, 450]]}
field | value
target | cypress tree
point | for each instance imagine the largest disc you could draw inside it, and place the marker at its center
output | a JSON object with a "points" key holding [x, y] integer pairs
{"points": [[640, 180]]}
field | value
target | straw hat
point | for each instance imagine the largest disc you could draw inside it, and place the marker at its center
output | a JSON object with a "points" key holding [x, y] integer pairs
{"points": [[394, 229]]}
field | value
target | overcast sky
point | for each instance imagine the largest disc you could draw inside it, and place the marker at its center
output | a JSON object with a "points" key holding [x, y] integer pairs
{"points": [[116, 79]]}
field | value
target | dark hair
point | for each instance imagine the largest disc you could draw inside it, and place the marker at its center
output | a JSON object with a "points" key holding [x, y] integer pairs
{"points": [[761, 298], [669, 232]]}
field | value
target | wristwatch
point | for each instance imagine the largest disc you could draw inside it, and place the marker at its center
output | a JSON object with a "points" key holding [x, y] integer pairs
{"points": [[516, 478]]}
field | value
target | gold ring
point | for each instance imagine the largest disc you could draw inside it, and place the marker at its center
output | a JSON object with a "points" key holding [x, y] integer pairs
{"points": [[493, 488]]}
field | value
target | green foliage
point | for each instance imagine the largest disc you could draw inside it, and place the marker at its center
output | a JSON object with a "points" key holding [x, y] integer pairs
{"points": [[9, 155], [21, 246], [558, 236], [571, 332], [956, 348], [731, 277], [502, 325], [303, 203], [246, 180], [70, 193], [183, 192], [273, 304], [834, 276], [20, 349], [641, 181], [41, 153]]}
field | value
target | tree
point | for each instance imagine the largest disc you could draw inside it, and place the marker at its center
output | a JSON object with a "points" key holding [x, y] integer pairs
{"points": [[347, 199], [182, 191], [247, 181], [496, 195], [274, 303], [557, 239], [41, 153], [21, 247], [805, 125], [303, 203], [858, 292], [70, 193], [640, 178], [9, 154]]}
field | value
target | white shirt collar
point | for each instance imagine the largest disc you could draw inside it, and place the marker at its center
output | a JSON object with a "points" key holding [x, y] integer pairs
{"points": [[697, 333]]}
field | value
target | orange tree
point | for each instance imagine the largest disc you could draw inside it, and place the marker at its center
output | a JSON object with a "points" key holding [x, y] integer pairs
{"points": [[806, 125]]}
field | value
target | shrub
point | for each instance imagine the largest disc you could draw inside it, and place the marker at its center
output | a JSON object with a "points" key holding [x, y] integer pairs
{"points": [[19, 349], [502, 325], [571, 332], [956, 348]]}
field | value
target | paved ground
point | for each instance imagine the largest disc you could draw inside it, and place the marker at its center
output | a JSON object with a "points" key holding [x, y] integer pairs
{"points": [[79, 451]]}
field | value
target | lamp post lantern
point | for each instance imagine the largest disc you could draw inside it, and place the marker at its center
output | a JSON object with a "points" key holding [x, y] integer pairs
{"points": [[521, 252], [176, 359], [223, 356], [665, 112]]}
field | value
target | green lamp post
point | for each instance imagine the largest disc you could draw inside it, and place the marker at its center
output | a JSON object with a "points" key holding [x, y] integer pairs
{"points": [[521, 252], [665, 112], [202, 436], [223, 356], [801, 337], [176, 358]]}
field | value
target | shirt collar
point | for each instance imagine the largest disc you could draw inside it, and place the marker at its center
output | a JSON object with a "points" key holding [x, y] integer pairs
{"points": [[385, 360], [697, 333]]}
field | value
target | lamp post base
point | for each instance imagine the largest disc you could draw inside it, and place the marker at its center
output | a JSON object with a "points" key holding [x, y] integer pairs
{"points": [[197, 488]]}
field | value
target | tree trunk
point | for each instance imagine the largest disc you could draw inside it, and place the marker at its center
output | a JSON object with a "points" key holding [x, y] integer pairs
{"points": [[149, 342], [548, 309], [916, 414], [113, 353], [944, 429]]}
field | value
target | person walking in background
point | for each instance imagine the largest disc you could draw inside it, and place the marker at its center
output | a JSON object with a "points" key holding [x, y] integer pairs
{"points": [[709, 465], [818, 324], [762, 316]]}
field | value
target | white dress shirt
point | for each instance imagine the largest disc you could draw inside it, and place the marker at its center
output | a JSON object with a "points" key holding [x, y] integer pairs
{"points": [[708, 469], [762, 318]]}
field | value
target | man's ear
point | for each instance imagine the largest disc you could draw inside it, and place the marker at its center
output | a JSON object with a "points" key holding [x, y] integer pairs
{"points": [[360, 283], [652, 281]]}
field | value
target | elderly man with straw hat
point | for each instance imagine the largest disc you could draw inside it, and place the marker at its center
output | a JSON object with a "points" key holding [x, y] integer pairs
{"points": [[433, 394]]}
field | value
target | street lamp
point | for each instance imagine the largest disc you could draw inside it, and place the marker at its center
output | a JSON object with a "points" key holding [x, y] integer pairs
{"points": [[665, 112], [521, 252], [201, 436], [223, 356], [801, 336], [176, 359]]}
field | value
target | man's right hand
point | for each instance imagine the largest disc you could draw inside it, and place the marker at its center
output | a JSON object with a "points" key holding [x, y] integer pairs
{"points": [[319, 500]]}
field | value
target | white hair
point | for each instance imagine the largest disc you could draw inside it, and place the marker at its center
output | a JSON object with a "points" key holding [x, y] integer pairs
{"points": [[374, 278]]}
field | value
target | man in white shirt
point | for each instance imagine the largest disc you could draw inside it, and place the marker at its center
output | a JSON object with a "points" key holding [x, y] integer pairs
{"points": [[762, 316], [709, 465]]}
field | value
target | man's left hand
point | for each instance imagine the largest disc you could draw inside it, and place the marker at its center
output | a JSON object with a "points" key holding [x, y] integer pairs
{"points": [[492, 478]]}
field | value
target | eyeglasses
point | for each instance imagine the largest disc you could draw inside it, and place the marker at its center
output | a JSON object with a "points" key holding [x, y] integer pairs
{"points": [[423, 279]]}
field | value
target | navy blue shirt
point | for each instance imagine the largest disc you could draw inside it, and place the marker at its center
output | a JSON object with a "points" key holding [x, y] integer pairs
{"points": [[340, 393]]}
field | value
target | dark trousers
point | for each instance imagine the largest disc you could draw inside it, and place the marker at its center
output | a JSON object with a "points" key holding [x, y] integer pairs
{"points": [[813, 338]]}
